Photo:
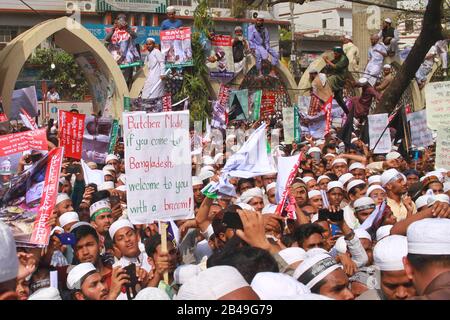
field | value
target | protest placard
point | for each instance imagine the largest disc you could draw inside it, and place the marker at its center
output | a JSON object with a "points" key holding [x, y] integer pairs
{"points": [[71, 131], [96, 138], [23, 141], [287, 167], [377, 124], [421, 136], [437, 95], [288, 125], [222, 54], [158, 166], [219, 119], [443, 148], [268, 100], [176, 47], [238, 105]]}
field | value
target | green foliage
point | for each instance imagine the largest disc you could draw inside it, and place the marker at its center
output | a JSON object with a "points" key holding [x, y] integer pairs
{"points": [[194, 83], [67, 75]]}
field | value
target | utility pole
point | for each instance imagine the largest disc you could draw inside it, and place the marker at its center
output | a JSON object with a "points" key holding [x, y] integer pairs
{"points": [[293, 52]]}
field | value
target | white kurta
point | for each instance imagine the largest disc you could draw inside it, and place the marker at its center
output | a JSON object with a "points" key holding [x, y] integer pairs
{"points": [[154, 86], [352, 53], [375, 64]]}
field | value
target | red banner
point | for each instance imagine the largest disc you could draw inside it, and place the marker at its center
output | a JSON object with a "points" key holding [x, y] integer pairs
{"points": [[3, 116], [267, 103], [41, 231], [285, 194], [167, 103], [23, 141], [27, 119], [71, 131]]}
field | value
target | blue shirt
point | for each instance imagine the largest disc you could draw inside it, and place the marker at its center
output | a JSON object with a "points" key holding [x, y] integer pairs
{"points": [[168, 24]]}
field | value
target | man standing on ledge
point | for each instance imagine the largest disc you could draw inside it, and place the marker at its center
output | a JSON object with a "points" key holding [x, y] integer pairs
{"points": [[171, 22]]}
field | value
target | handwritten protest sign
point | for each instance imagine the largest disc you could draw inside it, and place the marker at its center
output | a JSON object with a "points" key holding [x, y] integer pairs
{"points": [[158, 166], [377, 124], [437, 95], [23, 141], [443, 148], [288, 125], [421, 136], [176, 47], [71, 130]]}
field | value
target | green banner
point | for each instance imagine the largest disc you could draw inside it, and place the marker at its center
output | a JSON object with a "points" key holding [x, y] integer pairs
{"points": [[114, 132], [130, 65], [257, 104], [297, 130]]}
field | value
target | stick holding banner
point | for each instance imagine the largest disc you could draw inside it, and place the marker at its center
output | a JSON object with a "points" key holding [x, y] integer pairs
{"points": [[163, 231]]}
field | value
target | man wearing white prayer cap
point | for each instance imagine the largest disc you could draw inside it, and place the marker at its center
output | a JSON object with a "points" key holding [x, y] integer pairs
{"points": [[86, 283], [322, 181], [113, 160], [217, 283], [197, 186], [422, 202], [253, 197], [310, 182], [68, 219], [383, 231], [9, 264], [109, 173], [374, 180], [48, 293], [271, 190], [395, 185], [363, 208], [322, 275], [339, 166], [107, 185], [394, 283], [63, 204], [346, 178], [428, 261], [377, 193], [171, 22], [152, 293], [101, 216], [315, 199], [358, 170], [275, 286]]}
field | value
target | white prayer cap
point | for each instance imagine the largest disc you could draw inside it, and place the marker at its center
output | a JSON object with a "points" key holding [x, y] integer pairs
{"points": [[251, 193], [196, 181], [212, 284], [387, 66], [354, 183], [122, 178], [78, 273], [273, 285], [314, 149], [383, 231], [322, 178], [393, 155], [208, 161], [373, 188], [56, 228], [329, 155], [429, 236], [363, 81], [442, 198], [356, 165], [110, 157], [245, 206], [9, 264], [338, 161], [119, 224], [422, 201], [314, 193], [354, 140], [268, 209], [348, 37], [79, 224], [185, 272], [68, 217], [170, 9], [122, 188], [388, 20], [364, 203], [102, 205], [152, 293], [109, 167], [374, 179], [388, 176], [107, 185], [62, 197], [150, 39], [388, 253], [292, 255], [272, 185], [334, 184], [205, 174], [345, 178], [340, 245], [314, 269], [48, 293], [307, 179], [362, 234]]}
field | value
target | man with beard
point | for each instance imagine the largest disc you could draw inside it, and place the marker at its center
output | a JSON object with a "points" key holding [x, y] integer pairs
{"points": [[394, 283], [155, 62], [395, 184], [338, 68], [258, 37], [299, 192]]}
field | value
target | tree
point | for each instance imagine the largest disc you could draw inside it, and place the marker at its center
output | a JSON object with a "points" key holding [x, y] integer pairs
{"points": [[66, 74]]}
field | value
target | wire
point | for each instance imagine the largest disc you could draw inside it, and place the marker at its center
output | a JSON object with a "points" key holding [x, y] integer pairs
{"points": [[30, 7]]}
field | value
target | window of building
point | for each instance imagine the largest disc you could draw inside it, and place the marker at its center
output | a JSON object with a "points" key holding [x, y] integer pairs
{"points": [[7, 33], [185, 3], [225, 4], [341, 22], [324, 23]]}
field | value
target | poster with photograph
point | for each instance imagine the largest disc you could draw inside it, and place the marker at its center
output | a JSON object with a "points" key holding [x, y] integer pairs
{"points": [[97, 134], [221, 62], [176, 47]]}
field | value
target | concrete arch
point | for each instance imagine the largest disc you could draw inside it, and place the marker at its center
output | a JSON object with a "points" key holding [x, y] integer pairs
{"points": [[73, 38]]}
